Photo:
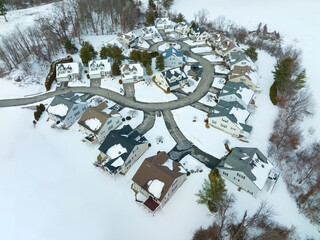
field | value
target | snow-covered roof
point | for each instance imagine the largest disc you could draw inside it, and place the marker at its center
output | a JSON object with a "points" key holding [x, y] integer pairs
{"points": [[240, 114], [260, 170], [131, 68], [118, 162], [96, 66], [246, 94], [59, 110], [155, 187], [168, 164], [93, 123], [116, 150], [65, 69]]}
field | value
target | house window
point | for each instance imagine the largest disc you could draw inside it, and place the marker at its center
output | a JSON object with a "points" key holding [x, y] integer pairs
{"points": [[224, 120], [224, 173], [109, 128], [109, 121], [223, 125], [233, 129], [174, 188], [214, 122]]}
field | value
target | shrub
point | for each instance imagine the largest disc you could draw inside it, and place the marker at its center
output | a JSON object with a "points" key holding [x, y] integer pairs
{"points": [[36, 115], [168, 89], [149, 144], [34, 122], [85, 71], [273, 94], [123, 119], [188, 173], [154, 54], [99, 158], [88, 76], [120, 81], [197, 78], [128, 118]]}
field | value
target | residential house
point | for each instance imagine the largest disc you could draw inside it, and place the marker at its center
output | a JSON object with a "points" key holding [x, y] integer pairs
{"points": [[97, 122], [98, 69], [132, 72], [182, 28], [195, 70], [65, 109], [173, 57], [239, 58], [126, 40], [171, 79], [230, 117], [198, 34], [120, 150], [66, 72], [247, 168], [250, 79], [239, 92], [157, 179], [163, 23], [149, 33]]}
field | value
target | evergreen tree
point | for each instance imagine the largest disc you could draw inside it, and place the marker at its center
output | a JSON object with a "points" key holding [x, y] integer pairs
{"points": [[135, 56], [90, 48], [252, 53], [160, 62], [113, 52], [213, 192], [3, 10], [283, 72], [151, 5], [149, 70], [115, 69], [85, 55], [167, 4], [180, 18], [70, 47], [105, 52], [149, 18], [145, 58]]}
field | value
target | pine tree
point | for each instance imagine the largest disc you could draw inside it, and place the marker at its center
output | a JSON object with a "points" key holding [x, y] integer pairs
{"points": [[213, 192], [3, 10], [149, 70], [85, 55], [151, 5], [115, 69], [180, 18], [252, 53], [117, 54], [167, 4], [135, 56], [149, 18], [106, 52], [160, 62], [145, 58], [70, 47], [283, 72]]}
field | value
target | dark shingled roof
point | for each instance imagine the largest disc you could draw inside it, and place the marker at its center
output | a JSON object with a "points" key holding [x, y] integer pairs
{"points": [[122, 137], [176, 73]]}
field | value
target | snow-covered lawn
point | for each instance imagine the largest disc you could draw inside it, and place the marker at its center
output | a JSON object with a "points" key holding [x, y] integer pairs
{"points": [[84, 82], [151, 93], [112, 84], [191, 60], [208, 99], [192, 83], [221, 69], [51, 190], [135, 121], [218, 82], [201, 49], [193, 43], [213, 58]]}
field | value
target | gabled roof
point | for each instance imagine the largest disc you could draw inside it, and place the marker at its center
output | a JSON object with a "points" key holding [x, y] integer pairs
{"points": [[99, 114], [73, 67], [69, 100], [239, 89], [251, 162], [122, 137], [102, 65], [171, 51], [197, 30], [170, 76], [159, 167]]}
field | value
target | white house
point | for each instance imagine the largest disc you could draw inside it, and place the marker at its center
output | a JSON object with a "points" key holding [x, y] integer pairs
{"points": [[149, 33], [157, 180], [66, 72], [99, 68], [120, 150], [247, 168], [231, 118], [163, 23], [65, 109], [198, 34], [173, 57], [182, 28], [126, 40], [132, 72], [237, 92], [171, 79], [97, 122]]}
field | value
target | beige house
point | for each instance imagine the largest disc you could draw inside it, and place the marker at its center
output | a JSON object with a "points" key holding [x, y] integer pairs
{"points": [[251, 83], [171, 79], [157, 179], [120, 150], [132, 72], [126, 39], [182, 28], [97, 122]]}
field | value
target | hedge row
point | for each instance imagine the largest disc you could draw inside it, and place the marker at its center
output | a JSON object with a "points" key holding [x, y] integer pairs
{"points": [[273, 94], [52, 74]]}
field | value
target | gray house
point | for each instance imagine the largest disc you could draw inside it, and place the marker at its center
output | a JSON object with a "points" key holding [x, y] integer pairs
{"points": [[173, 57], [239, 58], [120, 150], [247, 168], [66, 109], [230, 117]]}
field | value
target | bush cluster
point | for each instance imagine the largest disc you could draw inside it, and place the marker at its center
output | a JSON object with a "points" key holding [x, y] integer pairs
{"points": [[39, 111]]}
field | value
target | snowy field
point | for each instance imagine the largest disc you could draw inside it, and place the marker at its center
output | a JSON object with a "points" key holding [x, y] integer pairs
{"points": [[135, 121], [151, 93]]}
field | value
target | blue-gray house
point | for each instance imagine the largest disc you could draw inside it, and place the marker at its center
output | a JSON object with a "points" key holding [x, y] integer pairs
{"points": [[173, 57]]}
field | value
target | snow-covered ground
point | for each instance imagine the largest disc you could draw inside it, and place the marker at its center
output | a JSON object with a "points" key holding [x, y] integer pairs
{"points": [[151, 93], [165, 46], [201, 49], [135, 121], [112, 84], [213, 58], [193, 43], [208, 99]]}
